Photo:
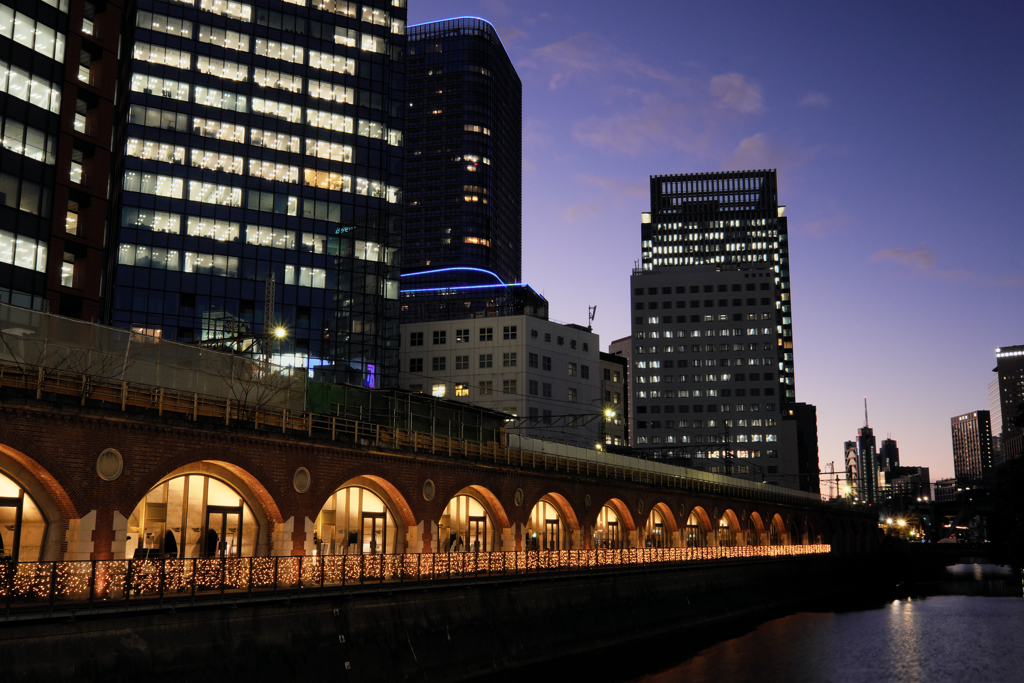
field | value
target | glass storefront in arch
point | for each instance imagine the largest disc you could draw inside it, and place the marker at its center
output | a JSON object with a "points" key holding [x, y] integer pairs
{"points": [[608, 531], [192, 515], [657, 531], [22, 525], [355, 521], [696, 535], [775, 532], [753, 538], [725, 533], [466, 527], [546, 530]]}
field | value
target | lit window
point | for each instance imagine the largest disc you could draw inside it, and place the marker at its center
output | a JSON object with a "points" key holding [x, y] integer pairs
{"points": [[277, 80], [278, 50], [235, 10], [155, 151], [462, 390], [163, 87], [324, 149], [282, 142], [218, 130], [231, 40], [222, 68], [438, 391], [329, 62], [214, 161]]}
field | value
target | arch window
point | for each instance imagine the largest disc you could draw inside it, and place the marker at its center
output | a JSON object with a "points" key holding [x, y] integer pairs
{"points": [[726, 534], [696, 536], [466, 527], [192, 515], [753, 538], [355, 520], [545, 529], [795, 537], [608, 532], [775, 533], [657, 530], [22, 525]]}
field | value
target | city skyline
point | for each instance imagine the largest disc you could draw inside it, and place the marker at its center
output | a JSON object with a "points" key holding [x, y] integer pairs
{"points": [[886, 143]]}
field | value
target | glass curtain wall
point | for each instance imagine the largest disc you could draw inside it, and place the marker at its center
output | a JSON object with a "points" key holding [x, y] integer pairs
{"points": [[545, 529], [192, 515], [22, 525], [696, 535], [608, 532], [466, 527], [356, 521]]}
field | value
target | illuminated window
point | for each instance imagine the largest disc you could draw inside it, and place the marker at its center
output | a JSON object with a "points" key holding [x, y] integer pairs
{"points": [[462, 390], [164, 87], [288, 112], [222, 231], [327, 180], [282, 142], [268, 170], [211, 193], [151, 183], [277, 80], [218, 130], [278, 50], [330, 62], [438, 391], [222, 99], [156, 54], [214, 161], [235, 10], [161, 23], [326, 119], [222, 68], [331, 92], [155, 151], [157, 221], [324, 149], [278, 238], [231, 40]]}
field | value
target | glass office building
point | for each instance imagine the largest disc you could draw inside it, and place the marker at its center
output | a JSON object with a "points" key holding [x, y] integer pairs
{"points": [[264, 141], [462, 232]]}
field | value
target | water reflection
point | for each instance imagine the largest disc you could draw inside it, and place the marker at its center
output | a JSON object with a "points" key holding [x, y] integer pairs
{"points": [[938, 640]]}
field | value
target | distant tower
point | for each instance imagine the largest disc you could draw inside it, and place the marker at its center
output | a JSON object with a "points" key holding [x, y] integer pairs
{"points": [[1010, 371], [866, 450], [889, 454], [852, 459], [972, 445]]}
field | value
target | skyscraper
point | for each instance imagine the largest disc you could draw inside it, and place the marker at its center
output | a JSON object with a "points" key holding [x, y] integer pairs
{"points": [[463, 165], [264, 141], [710, 382], [58, 75], [889, 454], [972, 445], [1010, 371]]}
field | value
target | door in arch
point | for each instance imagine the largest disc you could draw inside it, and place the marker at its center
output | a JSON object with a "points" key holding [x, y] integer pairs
{"points": [[224, 531], [22, 525]]}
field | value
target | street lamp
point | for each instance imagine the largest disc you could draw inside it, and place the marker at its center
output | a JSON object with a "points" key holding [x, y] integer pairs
{"points": [[280, 332]]}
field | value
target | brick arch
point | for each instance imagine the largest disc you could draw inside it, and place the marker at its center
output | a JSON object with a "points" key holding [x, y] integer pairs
{"points": [[34, 477], [622, 511], [227, 462], [755, 517], [46, 492], [384, 489], [564, 509], [702, 515], [490, 502], [666, 513], [779, 526], [734, 521]]}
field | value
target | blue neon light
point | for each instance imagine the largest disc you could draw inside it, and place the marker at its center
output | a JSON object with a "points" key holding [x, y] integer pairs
{"points": [[445, 270], [452, 289]]}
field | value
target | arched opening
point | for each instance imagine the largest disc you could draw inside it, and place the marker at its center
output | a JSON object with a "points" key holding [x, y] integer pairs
{"points": [[727, 530], [657, 532], [697, 528], [466, 526], [609, 532], [196, 514], [359, 518], [547, 528], [22, 524], [775, 531], [795, 537], [755, 529]]}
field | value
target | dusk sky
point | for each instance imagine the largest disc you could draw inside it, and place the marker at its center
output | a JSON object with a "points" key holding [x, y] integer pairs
{"points": [[896, 129]]}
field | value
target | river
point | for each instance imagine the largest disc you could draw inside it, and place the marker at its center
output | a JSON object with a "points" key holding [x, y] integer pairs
{"points": [[948, 638]]}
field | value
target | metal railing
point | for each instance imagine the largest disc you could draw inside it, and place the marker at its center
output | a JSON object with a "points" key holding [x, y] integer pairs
{"points": [[31, 588], [217, 410]]}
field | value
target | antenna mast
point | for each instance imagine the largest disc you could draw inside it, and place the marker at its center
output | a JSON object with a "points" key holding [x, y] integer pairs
{"points": [[591, 312], [865, 411]]}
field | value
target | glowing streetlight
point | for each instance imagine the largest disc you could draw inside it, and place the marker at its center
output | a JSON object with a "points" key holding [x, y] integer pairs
{"points": [[902, 522], [609, 413], [280, 332]]}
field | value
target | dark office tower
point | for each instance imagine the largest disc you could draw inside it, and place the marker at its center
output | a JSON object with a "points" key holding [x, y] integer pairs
{"points": [[462, 232], [806, 416], [712, 345], [972, 445], [264, 141], [58, 69], [889, 454], [1010, 370], [727, 221]]}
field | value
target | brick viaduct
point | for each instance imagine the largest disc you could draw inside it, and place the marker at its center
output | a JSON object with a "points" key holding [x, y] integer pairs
{"points": [[50, 449]]}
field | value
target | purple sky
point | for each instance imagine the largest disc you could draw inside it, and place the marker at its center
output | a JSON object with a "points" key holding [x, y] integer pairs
{"points": [[896, 131]]}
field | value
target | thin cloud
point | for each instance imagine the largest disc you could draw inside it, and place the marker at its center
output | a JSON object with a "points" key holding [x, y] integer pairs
{"points": [[815, 99], [918, 258], [579, 212], [734, 92], [758, 151], [614, 187], [657, 124], [587, 54]]}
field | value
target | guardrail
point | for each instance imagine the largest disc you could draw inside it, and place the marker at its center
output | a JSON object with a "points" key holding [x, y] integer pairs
{"points": [[46, 587], [193, 406]]}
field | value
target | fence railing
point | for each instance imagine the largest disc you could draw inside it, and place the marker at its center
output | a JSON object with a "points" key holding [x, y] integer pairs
{"points": [[32, 587], [215, 410]]}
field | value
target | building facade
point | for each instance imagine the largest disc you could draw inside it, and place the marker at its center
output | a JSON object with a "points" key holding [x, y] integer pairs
{"points": [[263, 143], [544, 375], [463, 202], [972, 445], [1010, 371], [613, 401], [806, 416], [867, 456], [995, 413], [624, 349], [58, 74]]}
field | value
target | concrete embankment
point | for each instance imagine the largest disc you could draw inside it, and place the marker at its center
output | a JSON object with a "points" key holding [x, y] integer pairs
{"points": [[444, 632]]}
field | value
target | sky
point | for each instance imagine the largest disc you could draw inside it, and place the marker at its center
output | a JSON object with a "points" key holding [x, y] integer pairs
{"points": [[896, 129]]}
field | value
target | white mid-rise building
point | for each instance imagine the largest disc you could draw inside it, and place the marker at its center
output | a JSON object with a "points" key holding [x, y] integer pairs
{"points": [[545, 376]]}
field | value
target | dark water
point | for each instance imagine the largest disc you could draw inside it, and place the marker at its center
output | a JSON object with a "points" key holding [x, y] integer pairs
{"points": [[955, 639]]}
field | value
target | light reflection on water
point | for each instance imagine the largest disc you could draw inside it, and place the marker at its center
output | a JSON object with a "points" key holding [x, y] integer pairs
{"points": [[954, 639]]}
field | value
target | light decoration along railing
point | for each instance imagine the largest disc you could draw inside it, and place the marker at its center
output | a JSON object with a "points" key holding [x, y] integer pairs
{"points": [[496, 449], [32, 587]]}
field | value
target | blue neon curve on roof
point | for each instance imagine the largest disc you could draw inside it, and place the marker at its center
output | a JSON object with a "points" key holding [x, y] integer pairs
{"points": [[451, 289], [445, 270]]}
